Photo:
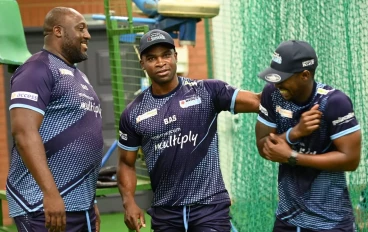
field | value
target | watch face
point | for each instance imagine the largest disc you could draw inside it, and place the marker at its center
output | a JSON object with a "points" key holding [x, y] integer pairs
{"points": [[292, 161]]}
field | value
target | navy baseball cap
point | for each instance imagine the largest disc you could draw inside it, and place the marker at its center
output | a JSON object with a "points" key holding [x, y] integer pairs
{"points": [[154, 37], [290, 57]]}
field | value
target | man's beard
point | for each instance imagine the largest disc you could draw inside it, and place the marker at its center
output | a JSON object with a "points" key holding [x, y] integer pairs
{"points": [[71, 52]]}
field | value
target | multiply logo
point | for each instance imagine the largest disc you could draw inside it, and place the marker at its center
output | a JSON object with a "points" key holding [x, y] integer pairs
{"points": [[176, 140], [89, 106]]}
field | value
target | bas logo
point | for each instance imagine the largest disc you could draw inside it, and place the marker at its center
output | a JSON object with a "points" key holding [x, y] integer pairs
{"points": [[170, 119]]}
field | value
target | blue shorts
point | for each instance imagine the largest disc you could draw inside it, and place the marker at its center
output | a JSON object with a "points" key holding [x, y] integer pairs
{"points": [[83, 221], [194, 218], [281, 226]]}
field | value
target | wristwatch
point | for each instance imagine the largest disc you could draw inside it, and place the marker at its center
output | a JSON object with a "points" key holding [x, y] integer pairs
{"points": [[293, 159]]}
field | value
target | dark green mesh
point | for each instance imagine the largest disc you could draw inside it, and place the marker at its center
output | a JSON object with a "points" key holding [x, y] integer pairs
{"points": [[244, 36]]}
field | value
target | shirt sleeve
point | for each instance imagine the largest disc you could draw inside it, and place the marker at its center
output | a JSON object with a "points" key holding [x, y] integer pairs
{"points": [[128, 139], [31, 86], [340, 115], [222, 94], [267, 113]]}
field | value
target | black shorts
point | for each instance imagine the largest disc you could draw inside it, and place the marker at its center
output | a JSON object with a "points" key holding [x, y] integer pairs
{"points": [[84, 221], [281, 226], [196, 218]]}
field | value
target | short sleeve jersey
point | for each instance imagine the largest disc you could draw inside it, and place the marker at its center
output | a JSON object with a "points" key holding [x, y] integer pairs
{"points": [[71, 131], [178, 135], [311, 198]]}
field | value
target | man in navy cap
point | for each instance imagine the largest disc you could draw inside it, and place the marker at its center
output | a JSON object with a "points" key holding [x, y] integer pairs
{"points": [[310, 129], [175, 123]]}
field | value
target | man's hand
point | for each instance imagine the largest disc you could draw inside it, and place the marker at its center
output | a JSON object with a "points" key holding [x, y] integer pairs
{"points": [[276, 149], [134, 217], [309, 122], [55, 216], [98, 218]]}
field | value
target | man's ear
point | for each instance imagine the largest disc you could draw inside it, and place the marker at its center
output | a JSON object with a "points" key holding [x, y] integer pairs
{"points": [[176, 57], [141, 62], [306, 75], [57, 31]]}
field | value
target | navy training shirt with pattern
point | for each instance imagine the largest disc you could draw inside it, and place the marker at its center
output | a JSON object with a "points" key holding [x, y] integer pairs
{"points": [[178, 136], [71, 131], [311, 198]]}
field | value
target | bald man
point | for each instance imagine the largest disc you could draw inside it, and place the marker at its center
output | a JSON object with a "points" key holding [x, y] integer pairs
{"points": [[56, 125]]}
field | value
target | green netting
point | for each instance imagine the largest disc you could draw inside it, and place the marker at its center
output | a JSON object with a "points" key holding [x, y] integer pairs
{"points": [[244, 37]]}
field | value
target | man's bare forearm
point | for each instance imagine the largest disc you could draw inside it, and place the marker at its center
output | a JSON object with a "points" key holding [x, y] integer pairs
{"points": [[127, 182]]}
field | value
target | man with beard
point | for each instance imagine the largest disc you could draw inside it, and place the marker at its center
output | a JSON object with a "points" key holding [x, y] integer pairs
{"points": [[56, 125], [175, 123], [310, 129]]}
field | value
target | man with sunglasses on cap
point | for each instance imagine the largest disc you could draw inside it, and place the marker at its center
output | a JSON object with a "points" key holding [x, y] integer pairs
{"points": [[310, 129], [175, 123]]}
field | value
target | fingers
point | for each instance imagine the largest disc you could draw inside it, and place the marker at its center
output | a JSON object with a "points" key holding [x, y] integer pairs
{"points": [[315, 107], [142, 220], [55, 223], [132, 222], [310, 117], [313, 111], [58, 220], [312, 123], [47, 220], [63, 226], [136, 226]]}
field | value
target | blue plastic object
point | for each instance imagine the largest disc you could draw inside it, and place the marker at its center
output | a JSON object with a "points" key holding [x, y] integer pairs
{"points": [[148, 7], [109, 152]]}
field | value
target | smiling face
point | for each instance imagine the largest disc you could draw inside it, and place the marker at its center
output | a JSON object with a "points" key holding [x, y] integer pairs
{"points": [[75, 38], [297, 87], [159, 61]]}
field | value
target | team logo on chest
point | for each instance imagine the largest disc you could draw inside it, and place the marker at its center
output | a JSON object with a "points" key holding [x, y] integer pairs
{"points": [[146, 115], [284, 113], [194, 100]]}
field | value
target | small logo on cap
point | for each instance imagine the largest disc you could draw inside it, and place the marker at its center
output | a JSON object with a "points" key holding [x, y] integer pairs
{"points": [[273, 77], [155, 36], [308, 63], [277, 58]]}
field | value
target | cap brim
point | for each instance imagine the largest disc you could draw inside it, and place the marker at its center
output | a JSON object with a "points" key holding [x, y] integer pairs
{"points": [[273, 76], [158, 42]]}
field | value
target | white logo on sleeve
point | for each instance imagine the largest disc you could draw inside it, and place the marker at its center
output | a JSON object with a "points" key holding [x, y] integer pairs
{"points": [[345, 119], [123, 136], [24, 95], [263, 110]]}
